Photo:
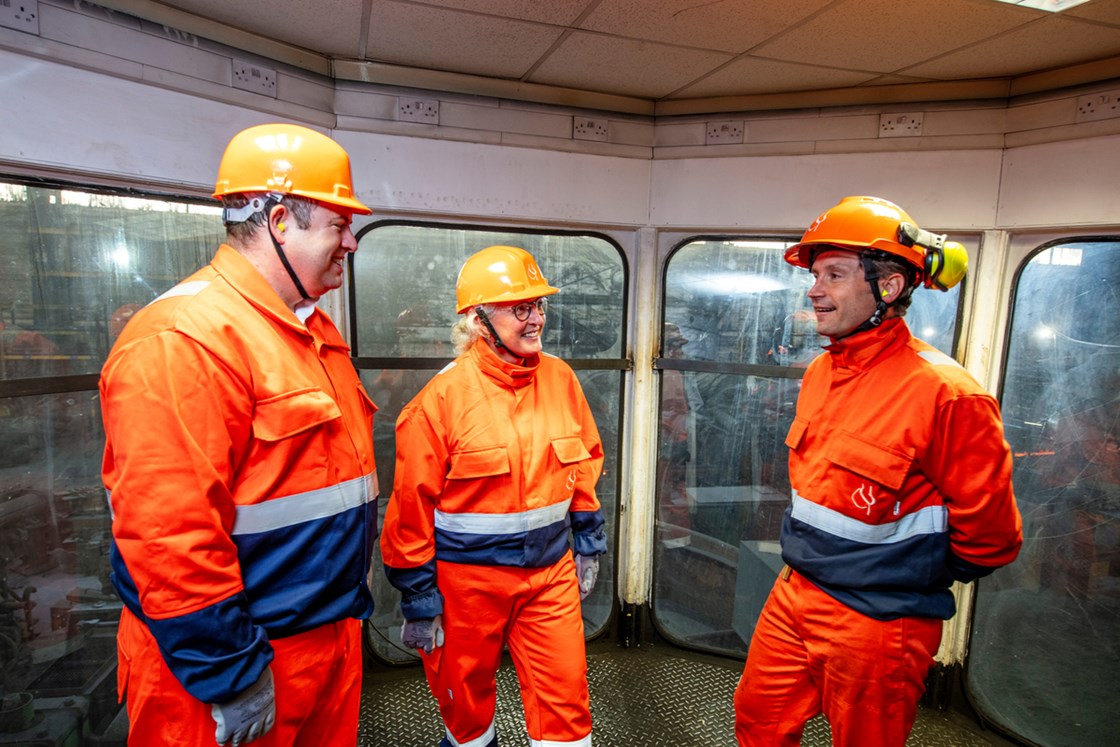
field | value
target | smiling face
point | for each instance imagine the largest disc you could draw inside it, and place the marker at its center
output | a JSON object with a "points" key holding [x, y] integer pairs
{"points": [[521, 339], [318, 253], [840, 295]]}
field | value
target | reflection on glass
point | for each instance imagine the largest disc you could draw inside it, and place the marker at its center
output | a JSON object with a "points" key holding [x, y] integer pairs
{"points": [[722, 479], [404, 280], [1045, 652], [75, 266], [74, 263]]}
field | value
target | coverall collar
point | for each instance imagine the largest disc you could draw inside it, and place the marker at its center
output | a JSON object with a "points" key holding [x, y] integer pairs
{"points": [[859, 352], [510, 374], [251, 284]]}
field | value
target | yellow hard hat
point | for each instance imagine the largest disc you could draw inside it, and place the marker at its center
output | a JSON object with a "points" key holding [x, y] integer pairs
{"points": [[500, 274], [288, 159]]}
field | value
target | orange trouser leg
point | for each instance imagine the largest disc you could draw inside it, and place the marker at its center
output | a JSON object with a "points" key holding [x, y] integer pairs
{"points": [[811, 653], [537, 611], [317, 676], [546, 642]]}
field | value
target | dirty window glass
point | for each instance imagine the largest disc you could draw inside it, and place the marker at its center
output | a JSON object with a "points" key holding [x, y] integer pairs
{"points": [[1043, 660]]}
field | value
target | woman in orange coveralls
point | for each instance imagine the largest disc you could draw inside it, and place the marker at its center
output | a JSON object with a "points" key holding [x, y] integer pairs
{"points": [[497, 460]]}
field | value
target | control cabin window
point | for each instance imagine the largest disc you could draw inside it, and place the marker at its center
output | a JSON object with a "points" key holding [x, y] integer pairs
{"points": [[1043, 659], [737, 335], [403, 294], [76, 265]]}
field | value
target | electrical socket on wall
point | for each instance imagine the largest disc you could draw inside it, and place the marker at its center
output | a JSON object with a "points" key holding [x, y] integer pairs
{"points": [[900, 125], [1093, 106], [418, 110], [21, 15], [252, 77], [585, 128], [720, 133]]}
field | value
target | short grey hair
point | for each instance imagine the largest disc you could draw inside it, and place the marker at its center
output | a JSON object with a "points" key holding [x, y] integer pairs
{"points": [[300, 208]]}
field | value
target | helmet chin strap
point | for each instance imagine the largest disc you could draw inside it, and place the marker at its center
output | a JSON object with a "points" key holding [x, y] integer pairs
{"points": [[284, 259], [497, 340], [493, 332], [872, 277]]}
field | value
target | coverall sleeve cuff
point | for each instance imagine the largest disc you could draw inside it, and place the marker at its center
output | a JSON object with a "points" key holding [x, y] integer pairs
{"points": [[217, 652], [422, 606], [590, 543], [964, 571]]}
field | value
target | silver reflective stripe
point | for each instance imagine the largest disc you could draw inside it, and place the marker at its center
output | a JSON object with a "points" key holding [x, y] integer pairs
{"points": [[300, 507], [585, 742], [526, 521], [109, 499], [929, 520], [938, 358], [185, 289], [486, 738]]}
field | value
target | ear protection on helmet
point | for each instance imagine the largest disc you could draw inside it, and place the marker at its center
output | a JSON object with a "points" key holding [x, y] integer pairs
{"points": [[945, 263]]}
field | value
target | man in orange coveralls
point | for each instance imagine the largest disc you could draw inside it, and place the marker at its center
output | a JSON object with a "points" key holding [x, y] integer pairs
{"points": [[901, 484], [239, 463], [497, 460]]}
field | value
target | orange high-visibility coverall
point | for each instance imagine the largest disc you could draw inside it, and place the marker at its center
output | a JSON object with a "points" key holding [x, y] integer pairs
{"points": [[496, 463], [901, 484], [239, 463]]}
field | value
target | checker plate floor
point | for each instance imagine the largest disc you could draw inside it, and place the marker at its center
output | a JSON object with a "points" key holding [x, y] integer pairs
{"points": [[648, 696]]}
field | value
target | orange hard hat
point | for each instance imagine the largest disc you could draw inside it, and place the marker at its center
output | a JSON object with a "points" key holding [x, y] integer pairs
{"points": [[288, 159], [500, 274], [858, 223], [872, 223]]}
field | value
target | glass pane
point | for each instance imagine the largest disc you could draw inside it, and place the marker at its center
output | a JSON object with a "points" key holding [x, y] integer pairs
{"points": [[722, 482], [404, 280], [76, 265], [404, 293], [1044, 658]]}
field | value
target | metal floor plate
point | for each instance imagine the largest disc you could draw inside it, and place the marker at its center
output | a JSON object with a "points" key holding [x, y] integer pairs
{"points": [[645, 697]]}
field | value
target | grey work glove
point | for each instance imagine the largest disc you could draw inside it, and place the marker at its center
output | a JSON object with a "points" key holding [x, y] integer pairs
{"points": [[426, 634], [248, 716], [587, 572]]}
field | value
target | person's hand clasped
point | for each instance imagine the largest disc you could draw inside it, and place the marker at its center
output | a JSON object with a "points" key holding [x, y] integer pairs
{"points": [[423, 634], [248, 716], [587, 572]]}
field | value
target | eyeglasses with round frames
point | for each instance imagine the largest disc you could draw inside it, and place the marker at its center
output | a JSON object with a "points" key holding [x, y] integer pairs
{"points": [[522, 311]]}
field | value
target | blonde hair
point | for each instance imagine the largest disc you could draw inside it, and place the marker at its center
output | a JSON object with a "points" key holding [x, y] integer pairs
{"points": [[464, 332]]}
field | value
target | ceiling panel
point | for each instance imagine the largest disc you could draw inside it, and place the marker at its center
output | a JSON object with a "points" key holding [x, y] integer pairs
{"points": [[727, 26], [1048, 43], [440, 39], [624, 66], [887, 35], [633, 53], [751, 75], [332, 27], [558, 12]]}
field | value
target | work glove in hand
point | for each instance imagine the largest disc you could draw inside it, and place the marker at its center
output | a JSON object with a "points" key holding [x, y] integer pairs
{"points": [[248, 716], [426, 634], [587, 572]]}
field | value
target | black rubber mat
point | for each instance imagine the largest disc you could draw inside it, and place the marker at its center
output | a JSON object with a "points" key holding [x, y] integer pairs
{"points": [[644, 697]]}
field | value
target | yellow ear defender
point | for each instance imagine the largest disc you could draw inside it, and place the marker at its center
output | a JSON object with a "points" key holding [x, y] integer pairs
{"points": [[281, 226], [946, 262]]}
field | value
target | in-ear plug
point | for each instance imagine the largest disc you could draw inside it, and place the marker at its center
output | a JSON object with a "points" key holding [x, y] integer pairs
{"points": [[281, 226], [884, 293]]}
